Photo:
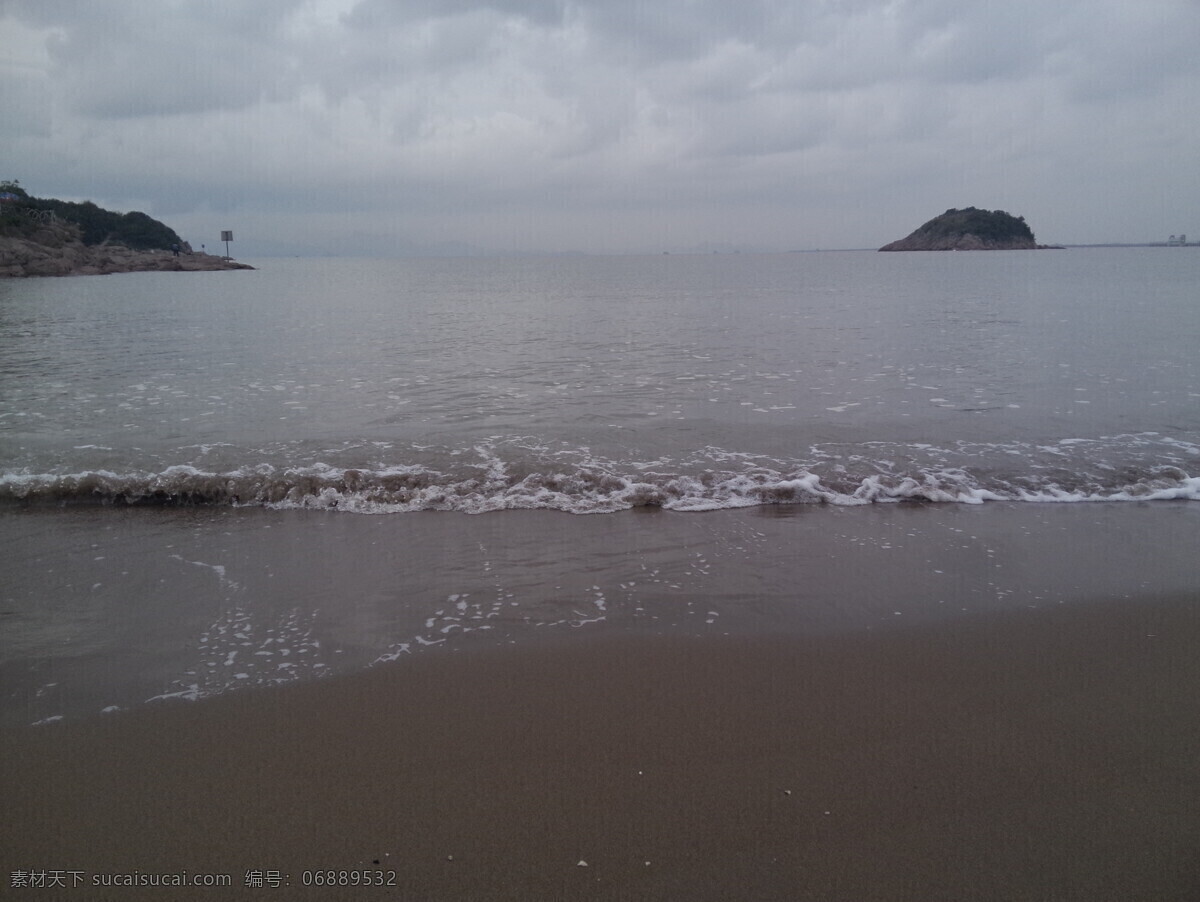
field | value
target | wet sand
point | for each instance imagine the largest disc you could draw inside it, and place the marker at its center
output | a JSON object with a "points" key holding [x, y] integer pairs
{"points": [[107, 607], [1045, 754]]}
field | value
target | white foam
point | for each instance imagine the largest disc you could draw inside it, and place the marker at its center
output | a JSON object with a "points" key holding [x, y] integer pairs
{"points": [[521, 473], [218, 569]]}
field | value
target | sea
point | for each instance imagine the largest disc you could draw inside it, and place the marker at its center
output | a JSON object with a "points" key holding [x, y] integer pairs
{"points": [[215, 481]]}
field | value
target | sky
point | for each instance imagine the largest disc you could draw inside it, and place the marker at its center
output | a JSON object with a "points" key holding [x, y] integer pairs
{"points": [[410, 127]]}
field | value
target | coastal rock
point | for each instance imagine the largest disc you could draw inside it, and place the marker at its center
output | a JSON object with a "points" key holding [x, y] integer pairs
{"points": [[56, 248], [969, 229]]}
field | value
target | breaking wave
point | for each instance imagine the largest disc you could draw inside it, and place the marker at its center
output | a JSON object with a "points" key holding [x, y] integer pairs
{"points": [[497, 478]]}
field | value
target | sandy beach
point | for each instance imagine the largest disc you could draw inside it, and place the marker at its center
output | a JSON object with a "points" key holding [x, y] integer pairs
{"points": [[1044, 754]]}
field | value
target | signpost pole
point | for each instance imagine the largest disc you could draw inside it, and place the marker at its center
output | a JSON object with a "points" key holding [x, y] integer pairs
{"points": [[227, 236]]}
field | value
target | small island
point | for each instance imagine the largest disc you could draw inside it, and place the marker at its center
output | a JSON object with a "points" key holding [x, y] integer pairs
{"points": [[969, 229], [50, 237]]}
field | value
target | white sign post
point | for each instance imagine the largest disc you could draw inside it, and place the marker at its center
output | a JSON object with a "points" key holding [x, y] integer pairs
{"points": [[227, 237]]}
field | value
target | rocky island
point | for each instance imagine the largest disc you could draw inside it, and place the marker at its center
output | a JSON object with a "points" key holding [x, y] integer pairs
{"points": [[49, 237], [969, 229]]}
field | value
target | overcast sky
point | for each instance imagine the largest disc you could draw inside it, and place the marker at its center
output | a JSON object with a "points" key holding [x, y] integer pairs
{"points": [[410, 126]]}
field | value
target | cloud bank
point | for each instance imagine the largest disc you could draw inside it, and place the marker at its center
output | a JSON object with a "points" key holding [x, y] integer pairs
{"points": [[376, 126]]}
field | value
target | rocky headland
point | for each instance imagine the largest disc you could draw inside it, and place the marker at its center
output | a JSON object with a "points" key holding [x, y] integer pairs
{"points": [[969, 229], [47, 237], [56, 250]]}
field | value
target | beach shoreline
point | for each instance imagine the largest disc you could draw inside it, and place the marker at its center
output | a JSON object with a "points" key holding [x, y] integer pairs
{"points": [[108, 607], [1013, 754]]}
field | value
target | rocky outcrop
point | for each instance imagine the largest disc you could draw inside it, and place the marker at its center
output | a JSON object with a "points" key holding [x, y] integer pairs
{"points": [[55, 248], [966, 242], [969, 230]]}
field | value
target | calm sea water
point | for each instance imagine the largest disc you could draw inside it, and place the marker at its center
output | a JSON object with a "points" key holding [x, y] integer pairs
{"points": [[596, 384], [186, 460]]}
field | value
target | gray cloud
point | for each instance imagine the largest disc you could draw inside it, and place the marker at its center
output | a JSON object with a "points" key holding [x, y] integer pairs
{"points": [[607, 124]]}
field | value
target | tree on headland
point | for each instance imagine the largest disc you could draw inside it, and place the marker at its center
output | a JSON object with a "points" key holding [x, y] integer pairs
{"points": [[13, 187], [990, 225], [968, 229], [96, 225]]}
